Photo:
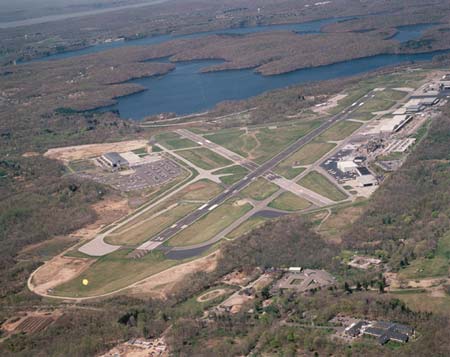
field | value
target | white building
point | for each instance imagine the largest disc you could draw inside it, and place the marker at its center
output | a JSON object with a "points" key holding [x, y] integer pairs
{"points": [[346, 165]]}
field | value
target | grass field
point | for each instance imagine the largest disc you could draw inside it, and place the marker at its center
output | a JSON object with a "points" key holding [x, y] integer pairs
{"points": [[435, 266], [289, 172], [192, 307], [340, 219], [287, 201], [246, 227], [320, 184], [339, 131], [211, 224], [422, 301], [395, 80], [260, 144], [238, 172], [114, 271], [173, 141], [260, 189], [204, 158], [202, 190], [140, 232], [164, 214], [307, 155], [382, 100]]}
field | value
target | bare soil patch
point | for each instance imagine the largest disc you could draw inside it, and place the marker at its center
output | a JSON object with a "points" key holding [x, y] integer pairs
{"points": [[31, 321], [161, 284], [211, 295], [433, 286], [30, 154], [79, 152], [58, 271], [237, 278], [330, 104]]}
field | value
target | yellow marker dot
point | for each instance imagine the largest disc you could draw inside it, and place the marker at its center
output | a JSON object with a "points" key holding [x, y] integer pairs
{"points": [[85, 282]]}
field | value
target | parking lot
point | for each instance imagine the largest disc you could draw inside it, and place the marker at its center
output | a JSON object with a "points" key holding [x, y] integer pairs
{"points": [[331, 165], [138, 177]]}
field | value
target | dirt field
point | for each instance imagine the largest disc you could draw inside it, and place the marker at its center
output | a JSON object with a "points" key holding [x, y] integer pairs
{"points": [[159, 285], [139, 348], [57, 271], [61, 269], [332, 103], [211, 295], [70, 153], [31, 321], [434, 286], [237, 278]]}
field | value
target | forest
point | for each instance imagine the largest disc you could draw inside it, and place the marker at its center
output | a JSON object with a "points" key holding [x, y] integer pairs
{"points": [[410, 212]]}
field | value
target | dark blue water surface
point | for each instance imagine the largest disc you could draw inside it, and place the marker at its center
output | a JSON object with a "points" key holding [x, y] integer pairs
{"points": [[185, 90], [303, 28], [411, 32]]}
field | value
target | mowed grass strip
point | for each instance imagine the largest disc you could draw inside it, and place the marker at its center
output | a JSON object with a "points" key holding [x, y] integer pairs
{"points": [[289, 172], [340, 131], [232, 174], [246, 227], [260, 144], [395, 80], [234, 139], [149, 228], [211, 224], [320, 184], [287, 201], [382, 100], [202, 190], [114, 271], [260, 189], [204, 158], [174, 141], [143, 226], [306, 155]]}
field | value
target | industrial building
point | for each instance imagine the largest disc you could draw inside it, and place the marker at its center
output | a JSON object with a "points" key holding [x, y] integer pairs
{"points": [[367, 181], [391, 125], [365, 177], [347, 165], [304, 280], [445, 85], [429, 101], [114, 160], [389, 331], [384, 331], [414, 108]]}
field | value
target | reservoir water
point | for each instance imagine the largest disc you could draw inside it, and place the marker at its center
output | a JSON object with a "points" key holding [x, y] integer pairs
{"points": [[303, 28], [411, 32], [185, 90]]}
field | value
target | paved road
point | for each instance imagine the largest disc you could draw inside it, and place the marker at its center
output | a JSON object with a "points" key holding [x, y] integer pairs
{"points": [[240, 185], [298, 190]]}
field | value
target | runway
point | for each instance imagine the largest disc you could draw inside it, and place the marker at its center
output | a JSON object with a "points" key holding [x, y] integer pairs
{"points": [[258, 171]]}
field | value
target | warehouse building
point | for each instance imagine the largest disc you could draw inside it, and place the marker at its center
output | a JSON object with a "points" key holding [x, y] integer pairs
{"points": [[389, 331], [429, 101], [114, 160], [367, 181], [445, 85], [347, 166], [384, 331]]}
